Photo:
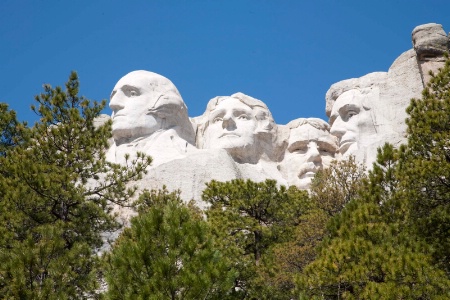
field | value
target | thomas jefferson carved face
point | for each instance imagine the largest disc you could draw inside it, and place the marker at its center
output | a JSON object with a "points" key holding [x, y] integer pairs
{"points": [[309, 150], [351, 121], [142, 102], [232, 126]]}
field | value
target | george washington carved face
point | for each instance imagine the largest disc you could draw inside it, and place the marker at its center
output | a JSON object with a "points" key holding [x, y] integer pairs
{"points": [[144, 102]]}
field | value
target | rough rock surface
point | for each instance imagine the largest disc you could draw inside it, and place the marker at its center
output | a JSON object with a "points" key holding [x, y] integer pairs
{"points": [[430, 42]]}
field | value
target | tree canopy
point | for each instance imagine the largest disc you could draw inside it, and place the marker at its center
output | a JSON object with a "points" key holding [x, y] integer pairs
{"points": [[167, 253], [56, 192]]}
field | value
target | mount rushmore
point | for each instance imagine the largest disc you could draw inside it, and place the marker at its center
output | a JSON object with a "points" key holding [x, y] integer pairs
{"points": [[237, 137]]}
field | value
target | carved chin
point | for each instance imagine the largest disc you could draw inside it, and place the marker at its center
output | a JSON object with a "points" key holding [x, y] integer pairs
{"points": [[302, 183], [119, 132], [231, 142], [123, 131]]}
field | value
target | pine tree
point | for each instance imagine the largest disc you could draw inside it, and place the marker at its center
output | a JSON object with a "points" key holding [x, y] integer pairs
{"points": [[392, 241], [11, 129], [55, 196], [248, 219], [167, 253], [330, 191], [334, 187], [370, 253], [425, 165]]}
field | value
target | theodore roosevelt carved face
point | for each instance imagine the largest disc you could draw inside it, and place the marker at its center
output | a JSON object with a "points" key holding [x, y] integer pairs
{"points": [[351, 121], [310, 148], [142, 103]]}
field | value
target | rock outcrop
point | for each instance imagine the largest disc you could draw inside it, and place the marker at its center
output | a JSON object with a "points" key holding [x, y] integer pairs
{"points": [[237, 136]]}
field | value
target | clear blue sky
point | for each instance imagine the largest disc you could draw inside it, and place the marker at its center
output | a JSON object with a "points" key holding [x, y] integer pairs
{"points": [[285, 53]]}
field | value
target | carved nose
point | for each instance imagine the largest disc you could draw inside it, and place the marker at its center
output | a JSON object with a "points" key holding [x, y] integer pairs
{"points": [[313, 154], [115, 103], [338, 128], [228, 123]]}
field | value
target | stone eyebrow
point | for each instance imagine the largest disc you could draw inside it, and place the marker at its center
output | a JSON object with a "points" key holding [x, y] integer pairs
{"points": [[328, 145], [129, 87], [297, 144], [215, 112], [242, 110], [345, 108]]}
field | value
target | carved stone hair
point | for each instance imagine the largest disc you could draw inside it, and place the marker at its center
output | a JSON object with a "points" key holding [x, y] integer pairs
{"points": [[314, 122], [363, 84]]}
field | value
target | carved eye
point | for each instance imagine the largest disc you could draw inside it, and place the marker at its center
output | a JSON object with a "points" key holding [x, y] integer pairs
{"points": [[243, 117], [300, 150], [326, 150], [351, 113], [217, 119], [131, 91]]}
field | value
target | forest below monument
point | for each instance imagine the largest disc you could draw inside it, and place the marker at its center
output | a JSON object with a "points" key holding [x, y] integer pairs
{"points": [[381, 234]]}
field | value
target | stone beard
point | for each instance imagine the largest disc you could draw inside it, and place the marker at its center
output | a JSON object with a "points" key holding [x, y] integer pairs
{"points": [[310, 148]]}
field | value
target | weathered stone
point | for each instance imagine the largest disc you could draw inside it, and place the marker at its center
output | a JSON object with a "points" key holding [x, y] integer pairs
{"points": [[430, 43]]}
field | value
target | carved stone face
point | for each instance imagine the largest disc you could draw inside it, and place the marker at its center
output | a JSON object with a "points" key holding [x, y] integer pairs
{"points": [[309, 150], [131, 100], [231, 126], [351, 122]]}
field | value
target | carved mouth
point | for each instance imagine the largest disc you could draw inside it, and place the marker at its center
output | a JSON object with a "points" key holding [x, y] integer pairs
{"points": [[309, 174], [308, 171], [118, 115], [229, 135], [344, 145]]}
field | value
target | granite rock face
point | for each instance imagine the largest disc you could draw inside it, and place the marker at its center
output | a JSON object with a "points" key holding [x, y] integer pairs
{"points": [[430, 40], [378, 101], [430, 43], [237, 137]]}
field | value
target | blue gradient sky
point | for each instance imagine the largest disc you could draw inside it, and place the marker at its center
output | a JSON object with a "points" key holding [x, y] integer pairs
{"points": [[285, 53]]}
